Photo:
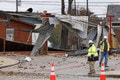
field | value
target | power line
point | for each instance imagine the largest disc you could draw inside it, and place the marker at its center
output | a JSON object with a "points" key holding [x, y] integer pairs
{"points": [[56, 4], [56, 1], [66, 5]]}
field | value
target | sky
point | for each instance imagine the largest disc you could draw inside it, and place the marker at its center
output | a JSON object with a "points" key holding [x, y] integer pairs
{"points": [[97, 6]]}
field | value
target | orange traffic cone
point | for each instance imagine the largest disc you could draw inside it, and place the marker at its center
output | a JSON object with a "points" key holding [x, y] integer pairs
{"points": [[102, 76], [52, 75]]}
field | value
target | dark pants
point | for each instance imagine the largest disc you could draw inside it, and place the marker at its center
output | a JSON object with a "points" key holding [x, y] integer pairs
{"points": [[104, 55]]}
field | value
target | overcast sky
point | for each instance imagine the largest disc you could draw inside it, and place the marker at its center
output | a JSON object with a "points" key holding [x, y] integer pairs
{"points": [[54, 5]]}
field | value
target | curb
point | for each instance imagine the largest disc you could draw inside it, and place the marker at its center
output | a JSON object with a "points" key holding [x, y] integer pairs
{"points": [[58, 75], [109, 76], [8, 65]]}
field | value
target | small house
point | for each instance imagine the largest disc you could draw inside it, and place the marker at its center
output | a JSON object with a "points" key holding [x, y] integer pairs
{"points": [[15, 34], [114, 10]]}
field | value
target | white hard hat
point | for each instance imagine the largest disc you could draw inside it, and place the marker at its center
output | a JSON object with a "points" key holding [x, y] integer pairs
{"points": [[105, 37], [66, 55], [90, 41]]}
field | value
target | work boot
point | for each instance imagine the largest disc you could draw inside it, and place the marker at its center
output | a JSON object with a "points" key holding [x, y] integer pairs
{"points": [[99, 65], [106, 66], [89, 73]]}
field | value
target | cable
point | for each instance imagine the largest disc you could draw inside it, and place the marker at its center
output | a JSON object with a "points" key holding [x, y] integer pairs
{"points": [[53, 3], [66, 5], [57, 1]]}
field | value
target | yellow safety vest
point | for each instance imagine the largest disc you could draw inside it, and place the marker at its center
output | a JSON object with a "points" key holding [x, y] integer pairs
{"points": [[92, 51], [102, 47]]}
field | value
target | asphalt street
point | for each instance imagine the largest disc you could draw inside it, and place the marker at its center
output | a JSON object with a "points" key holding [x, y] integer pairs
{"points": [[70, 68]]}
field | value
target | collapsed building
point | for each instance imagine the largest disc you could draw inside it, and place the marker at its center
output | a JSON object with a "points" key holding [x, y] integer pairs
{"points": [[19, 38]]}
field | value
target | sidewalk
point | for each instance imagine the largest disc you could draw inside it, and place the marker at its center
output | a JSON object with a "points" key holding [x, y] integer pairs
{"points": [[6, 62]]}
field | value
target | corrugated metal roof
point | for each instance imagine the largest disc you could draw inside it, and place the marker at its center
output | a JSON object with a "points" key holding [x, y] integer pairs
{"points": [[114, 10]]}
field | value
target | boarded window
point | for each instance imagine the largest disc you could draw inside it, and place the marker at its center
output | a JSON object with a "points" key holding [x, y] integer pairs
{"points": [[10, 34]]}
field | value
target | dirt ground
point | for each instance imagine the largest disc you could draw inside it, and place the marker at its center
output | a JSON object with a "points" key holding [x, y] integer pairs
{"points": [[70, 68]]}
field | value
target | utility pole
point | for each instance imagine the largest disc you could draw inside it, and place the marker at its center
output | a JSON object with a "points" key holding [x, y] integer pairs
{"points": [[62, 7], [75, 13], [16, 5], [64, 32], [110, 30], [75, 7], [87, 14]]}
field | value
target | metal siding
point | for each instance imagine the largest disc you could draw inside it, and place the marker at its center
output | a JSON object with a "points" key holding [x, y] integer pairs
{"points": [[2, 29], [21, 36], [117, 32]]}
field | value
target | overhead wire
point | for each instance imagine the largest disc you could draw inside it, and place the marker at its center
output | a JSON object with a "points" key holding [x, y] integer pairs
{"points": [[55, 3], [58, 1], [60, 4], [52, 3]]}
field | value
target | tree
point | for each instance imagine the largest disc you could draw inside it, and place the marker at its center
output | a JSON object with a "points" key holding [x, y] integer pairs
{"points": [[64, 32], [82, 12], [70, 6]]}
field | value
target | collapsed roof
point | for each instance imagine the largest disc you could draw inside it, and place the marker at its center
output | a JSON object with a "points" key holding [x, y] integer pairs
{"points": [[75, 24]]}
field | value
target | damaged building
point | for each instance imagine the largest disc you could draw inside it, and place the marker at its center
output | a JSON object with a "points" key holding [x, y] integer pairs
{"points": [[114, 11], [16, 32]]}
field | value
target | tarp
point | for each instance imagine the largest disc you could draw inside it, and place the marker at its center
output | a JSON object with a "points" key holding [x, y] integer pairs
{"points": [[96, 34], [105, 32], [99, 33], [76, 53], [90, 36]]}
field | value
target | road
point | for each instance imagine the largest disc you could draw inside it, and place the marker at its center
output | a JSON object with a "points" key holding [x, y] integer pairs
{"points": [[71, 68]]}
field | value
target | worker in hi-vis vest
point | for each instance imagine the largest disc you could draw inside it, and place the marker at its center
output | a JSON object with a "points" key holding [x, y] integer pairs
{"points": [[104, 51], [92, 57]]}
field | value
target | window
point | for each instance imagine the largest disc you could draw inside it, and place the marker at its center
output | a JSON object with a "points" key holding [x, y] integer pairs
{"points": [[10, 34]]}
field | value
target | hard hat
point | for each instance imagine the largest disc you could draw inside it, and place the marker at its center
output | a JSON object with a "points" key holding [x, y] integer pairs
{"points": [[105, 37], [66, 55], [90, 41]]}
